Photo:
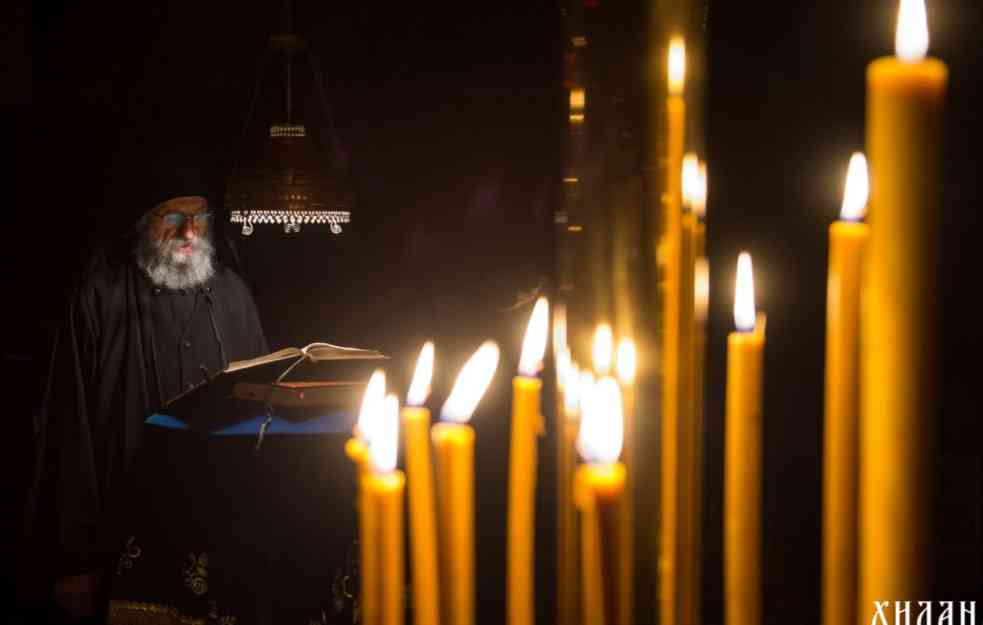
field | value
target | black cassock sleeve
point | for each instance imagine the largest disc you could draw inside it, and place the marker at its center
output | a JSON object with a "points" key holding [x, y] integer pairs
{"points": [[64, 512]]}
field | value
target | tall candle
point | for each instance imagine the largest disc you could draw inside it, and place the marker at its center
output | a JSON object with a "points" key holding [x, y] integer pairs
{"points": [[686, 424], [701, 287], [670, 258], [690, 611], [425, 591], [847, 243], [357, 449], [384, 487], [600, 496], [742, 457], [625, 366], [568, 581], [900, 363], [453, 443], [526, 427]]}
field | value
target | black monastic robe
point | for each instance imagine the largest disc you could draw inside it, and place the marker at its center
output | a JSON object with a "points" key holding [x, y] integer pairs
{"points": [[126, 347]]}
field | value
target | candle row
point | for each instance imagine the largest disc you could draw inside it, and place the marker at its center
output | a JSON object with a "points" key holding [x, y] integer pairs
{"points": [[877, 431], [442, 489]]}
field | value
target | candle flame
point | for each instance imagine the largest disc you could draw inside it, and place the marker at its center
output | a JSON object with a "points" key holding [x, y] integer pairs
{"points": [[601, 423], [420, 386], [701, 288], [534, 344], [690, 175], [699, 201], [571, 390], [911, 36], [385, 443], [472, 381], [857, 189], [603, 348], [627, 361], [677, 65], [368, 416], [744, 314]]}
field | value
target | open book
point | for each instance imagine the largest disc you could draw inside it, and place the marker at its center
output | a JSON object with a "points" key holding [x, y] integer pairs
{"points": [[295, 383], [314, 352]]}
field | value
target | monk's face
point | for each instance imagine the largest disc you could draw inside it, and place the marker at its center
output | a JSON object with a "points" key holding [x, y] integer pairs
{"points": [[178, 222], [176, 249]]}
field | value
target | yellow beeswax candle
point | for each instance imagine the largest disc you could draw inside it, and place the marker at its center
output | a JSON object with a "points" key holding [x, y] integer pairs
{"points": [[600, 493], [386, 491], [900, 362], [742, 458], [568, 559], [591, 586], [454, 457], [425, 593], [522, 500], [601, 497], [689, 610], [670, 248], [701, 286], [453, 442], [626, 364], [526, 427], [370, 605], [687, 557], [847, 243], [358, 450], [384, 488]]}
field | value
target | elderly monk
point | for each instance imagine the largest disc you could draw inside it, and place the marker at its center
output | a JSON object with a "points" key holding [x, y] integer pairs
{"points": [[157, 313]]}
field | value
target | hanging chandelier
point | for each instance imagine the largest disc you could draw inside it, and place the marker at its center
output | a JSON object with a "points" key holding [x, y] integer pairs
{"points": [[291, 179]]}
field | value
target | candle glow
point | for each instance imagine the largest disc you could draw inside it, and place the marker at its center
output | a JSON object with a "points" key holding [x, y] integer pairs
{"points": [[699, 199], [578, 103], [911, 36], [690, 178], [701, 288], [534, 344], [368, 416], [744, 313], [472, 381], [857, 189], [603, 348], [626, 362], [677, 65], [601, 423], [385, 441]]}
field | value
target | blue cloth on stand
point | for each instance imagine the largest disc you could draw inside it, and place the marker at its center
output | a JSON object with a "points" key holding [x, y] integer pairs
{"points": [[331, 423]]}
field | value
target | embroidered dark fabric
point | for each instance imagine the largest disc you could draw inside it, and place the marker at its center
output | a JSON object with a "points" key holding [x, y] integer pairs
{"points": [[249, 538]]}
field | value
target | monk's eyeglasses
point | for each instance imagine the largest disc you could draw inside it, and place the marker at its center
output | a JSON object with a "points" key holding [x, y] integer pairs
{"points": [[177, 220]]}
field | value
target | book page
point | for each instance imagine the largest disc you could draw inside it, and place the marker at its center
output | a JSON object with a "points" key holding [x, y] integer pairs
{"points": [[283, 354], [314, 351], [327, 351]]}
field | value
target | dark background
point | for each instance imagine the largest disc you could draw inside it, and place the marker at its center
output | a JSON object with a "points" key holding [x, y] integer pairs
{"points": [[452, 123]]}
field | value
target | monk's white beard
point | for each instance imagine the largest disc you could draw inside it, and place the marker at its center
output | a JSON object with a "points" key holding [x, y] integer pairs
{"points": [[167, 267]]}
